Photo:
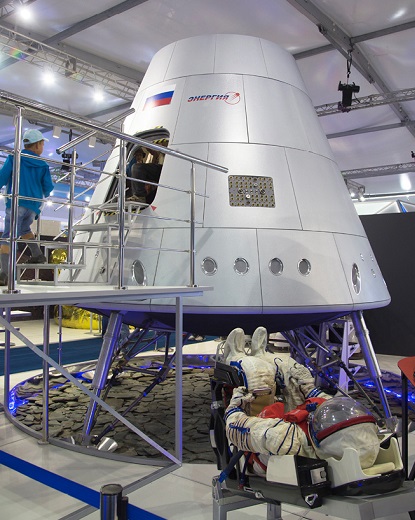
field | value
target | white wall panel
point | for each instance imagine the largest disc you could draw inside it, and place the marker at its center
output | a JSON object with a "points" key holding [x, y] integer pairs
{"points": [[272, 114], [322, 197], [249, 159], [231, 58], [212, 119]]}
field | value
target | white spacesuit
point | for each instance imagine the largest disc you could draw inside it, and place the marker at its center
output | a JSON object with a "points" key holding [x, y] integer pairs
{"points": [[283, 428]]}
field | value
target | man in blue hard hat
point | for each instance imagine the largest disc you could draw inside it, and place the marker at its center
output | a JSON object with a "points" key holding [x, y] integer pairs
{"points": [[35, 184]]}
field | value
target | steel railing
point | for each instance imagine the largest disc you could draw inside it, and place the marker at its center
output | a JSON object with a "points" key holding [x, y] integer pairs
{"points": [[123, 141]]}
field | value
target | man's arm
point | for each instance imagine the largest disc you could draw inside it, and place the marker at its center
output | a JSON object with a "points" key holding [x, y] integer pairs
{"points": [[6, 171], [47, 184]]}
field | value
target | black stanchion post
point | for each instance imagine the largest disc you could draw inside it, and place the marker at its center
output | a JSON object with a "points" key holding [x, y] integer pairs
{"points": [[113, 505]]}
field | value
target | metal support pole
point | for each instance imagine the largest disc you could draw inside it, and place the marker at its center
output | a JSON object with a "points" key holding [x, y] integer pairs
{"points": [[179, 380], [109, 344], [14, 208], [321, 355], [60, 334], [192, 224], [274, 512], [45, 416], [7, 345], [113, 505], [345, 354], [405, 423], [372, 365], [121, 209], [71, 211]]}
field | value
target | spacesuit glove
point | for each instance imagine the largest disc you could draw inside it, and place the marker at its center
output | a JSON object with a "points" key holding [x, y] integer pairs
{"points": [[240, 398]]}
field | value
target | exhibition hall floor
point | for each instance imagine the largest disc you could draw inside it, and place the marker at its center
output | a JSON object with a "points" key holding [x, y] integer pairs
{"points": [[184, 494]]}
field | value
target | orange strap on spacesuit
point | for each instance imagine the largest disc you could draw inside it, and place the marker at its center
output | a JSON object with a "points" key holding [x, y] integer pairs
{"points": [[298, 415]]}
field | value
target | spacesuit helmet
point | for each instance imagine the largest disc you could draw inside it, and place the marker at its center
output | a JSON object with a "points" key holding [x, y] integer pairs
{"points": [[340, 423]]}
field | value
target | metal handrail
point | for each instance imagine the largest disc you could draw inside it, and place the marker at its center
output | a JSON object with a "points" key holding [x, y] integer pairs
{"points": [[7, 97], [123, 140]]}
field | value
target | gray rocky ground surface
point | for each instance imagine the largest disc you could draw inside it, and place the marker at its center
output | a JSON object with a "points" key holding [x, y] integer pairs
{"points": [[154, 415]]}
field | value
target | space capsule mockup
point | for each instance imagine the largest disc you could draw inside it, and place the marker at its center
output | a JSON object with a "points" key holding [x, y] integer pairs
{"points": [[277, 237]]}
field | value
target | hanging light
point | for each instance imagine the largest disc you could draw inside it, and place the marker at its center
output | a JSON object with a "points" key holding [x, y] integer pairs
{"points": [[24, 12], [356, 190], [92, 141], [347, 89], [361, 194], [49, 77], [57, 130], [98, 94]]}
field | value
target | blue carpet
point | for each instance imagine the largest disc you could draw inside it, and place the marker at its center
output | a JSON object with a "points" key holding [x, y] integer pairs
{"points": [[22, 359]]}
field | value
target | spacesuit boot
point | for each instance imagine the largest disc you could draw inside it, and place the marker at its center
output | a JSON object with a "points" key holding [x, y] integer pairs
{"points": [[234, 347], [294, 379]]}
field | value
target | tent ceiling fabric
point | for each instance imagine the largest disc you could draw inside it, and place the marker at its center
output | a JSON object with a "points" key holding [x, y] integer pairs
{"points": [[121, 37]]}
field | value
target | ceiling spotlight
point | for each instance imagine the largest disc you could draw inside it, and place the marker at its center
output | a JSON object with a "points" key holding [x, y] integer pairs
{"points": [[48, 77], [57, 130], [98, 94], [361, 194], [347, 91], [92, 141], [24, 12], [70, 67], [356, 190]]}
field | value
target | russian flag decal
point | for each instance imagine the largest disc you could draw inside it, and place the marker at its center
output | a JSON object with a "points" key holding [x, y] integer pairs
{"points": [[158, 100]]}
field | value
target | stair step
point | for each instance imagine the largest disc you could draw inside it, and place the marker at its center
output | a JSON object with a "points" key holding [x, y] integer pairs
{"points": [[104, 226], [113, 206], [50, 266]]}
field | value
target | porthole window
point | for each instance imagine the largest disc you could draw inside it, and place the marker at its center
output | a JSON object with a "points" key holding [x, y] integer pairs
{"points": [[356, 281], [304, 267], [241, 266], [139, 273], [209, 266], [276, 266]]}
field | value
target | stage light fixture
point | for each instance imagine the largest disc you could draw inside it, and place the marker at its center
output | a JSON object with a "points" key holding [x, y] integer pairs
{"points": [[347, 91], [57, 130], [92, 141], [48, 76], [361, 194], [98, 93], [356, 190]]}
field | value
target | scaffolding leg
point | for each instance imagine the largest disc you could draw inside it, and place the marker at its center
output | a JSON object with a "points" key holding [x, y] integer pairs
{"points": [[274, 512], [372, 365], [109, 344]]}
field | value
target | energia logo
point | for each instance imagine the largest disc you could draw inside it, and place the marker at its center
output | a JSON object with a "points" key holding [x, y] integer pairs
{"points": [[232, 98]]}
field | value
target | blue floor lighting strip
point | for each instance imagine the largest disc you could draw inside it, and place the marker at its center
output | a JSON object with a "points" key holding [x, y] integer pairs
{"points": [[64, 485]]}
